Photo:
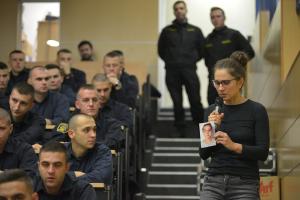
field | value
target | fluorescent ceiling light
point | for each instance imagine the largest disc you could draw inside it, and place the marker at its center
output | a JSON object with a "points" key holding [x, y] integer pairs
{"points": [[53, 43]]}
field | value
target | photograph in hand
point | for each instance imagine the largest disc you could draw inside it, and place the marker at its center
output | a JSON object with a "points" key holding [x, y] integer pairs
{"points": [[207, 131]]}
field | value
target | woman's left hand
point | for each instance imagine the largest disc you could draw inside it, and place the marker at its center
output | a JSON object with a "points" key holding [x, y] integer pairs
{"points": [[225, 140]]}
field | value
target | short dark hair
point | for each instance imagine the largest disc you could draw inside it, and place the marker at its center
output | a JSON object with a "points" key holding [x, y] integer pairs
{"points": [[73, 122], [36, 67], [63, 51], [207, 124], [85, 87], [16, 51], [217, 8], [100, 78], [16, 175], [55, 147], [24, 89], [118, 52], [114, 53], [178, 2], [54, 66], [84, 42], [3, 66]]}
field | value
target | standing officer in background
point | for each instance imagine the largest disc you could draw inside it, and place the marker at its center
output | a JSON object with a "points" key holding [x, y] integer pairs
{"points": [[221, 43], [180, 46]]}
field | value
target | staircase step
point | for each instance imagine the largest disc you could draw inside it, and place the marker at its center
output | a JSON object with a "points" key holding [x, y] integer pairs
{"points": [[174, 169], [177, 142], [172, 189], [174, 166], [171, 177], [176, 158], [177, 149], [172, 197]]}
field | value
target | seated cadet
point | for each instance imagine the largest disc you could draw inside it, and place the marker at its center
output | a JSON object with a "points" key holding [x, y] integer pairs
{"points": [[13, 153], [125, 86], [85, 49], [89, 161], [108, 129], [4, 78], [18, 71], [108, 106], [28, 126], [53, 181], [72, 77], [56, 78], [16, 184], [52, 106]]}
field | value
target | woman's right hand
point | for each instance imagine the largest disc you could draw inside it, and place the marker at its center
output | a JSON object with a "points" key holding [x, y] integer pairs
{"points": [[216, 117]]}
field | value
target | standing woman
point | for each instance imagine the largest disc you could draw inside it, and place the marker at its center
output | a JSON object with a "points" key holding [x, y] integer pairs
{"points": [[242, 136]]}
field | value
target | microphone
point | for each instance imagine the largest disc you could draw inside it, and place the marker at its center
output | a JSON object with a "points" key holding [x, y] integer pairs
{"points": [[218, 104]]}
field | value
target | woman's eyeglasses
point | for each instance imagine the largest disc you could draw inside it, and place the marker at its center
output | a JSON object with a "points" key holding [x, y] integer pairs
{"points": [[217, 83]]}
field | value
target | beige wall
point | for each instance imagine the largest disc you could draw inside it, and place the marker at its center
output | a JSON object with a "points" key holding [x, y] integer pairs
{"points": [[8, 24], [290, 36], [131, 26], [274, 80]]}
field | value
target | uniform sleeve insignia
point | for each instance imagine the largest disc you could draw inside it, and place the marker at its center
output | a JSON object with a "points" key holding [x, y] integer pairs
{"points": [[190, 29], [172, 29], [62, 127], [226, 41]]}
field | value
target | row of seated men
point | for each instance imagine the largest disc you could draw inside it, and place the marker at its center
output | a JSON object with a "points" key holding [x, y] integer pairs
{"points": [[116, 91], [68, 79], [61, 171], [27, 97]]}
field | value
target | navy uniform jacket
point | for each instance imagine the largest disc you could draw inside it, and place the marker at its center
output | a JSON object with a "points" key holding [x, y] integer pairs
{"points": [[71, 189], [129, 91], [109, 131], [222, 43], [180, 45], [22, 77], [69, 93], [54, 107], [75, 79], [30, 129], [119, 111], [96, 164], [17, 154], [4, 101]]}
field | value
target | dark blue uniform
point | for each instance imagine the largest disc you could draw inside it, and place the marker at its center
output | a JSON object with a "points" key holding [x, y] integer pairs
{"points": [[75, 79], [71, 189], [4, 97], [96, 164], [109, 131], [54, 107], [18, 155], [180, 46], [30, 129], [69, 93], [119, 111], [129, 91], [13, 80], [221, 44]]}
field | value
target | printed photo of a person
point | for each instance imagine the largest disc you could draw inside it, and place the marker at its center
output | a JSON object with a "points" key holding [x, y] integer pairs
{"points": [[207, 132]]}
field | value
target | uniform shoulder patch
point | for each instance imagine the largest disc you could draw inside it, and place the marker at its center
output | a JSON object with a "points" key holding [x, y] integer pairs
{"points": [[172, 29], [226, 41], [62, 127], [190, 29]]}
